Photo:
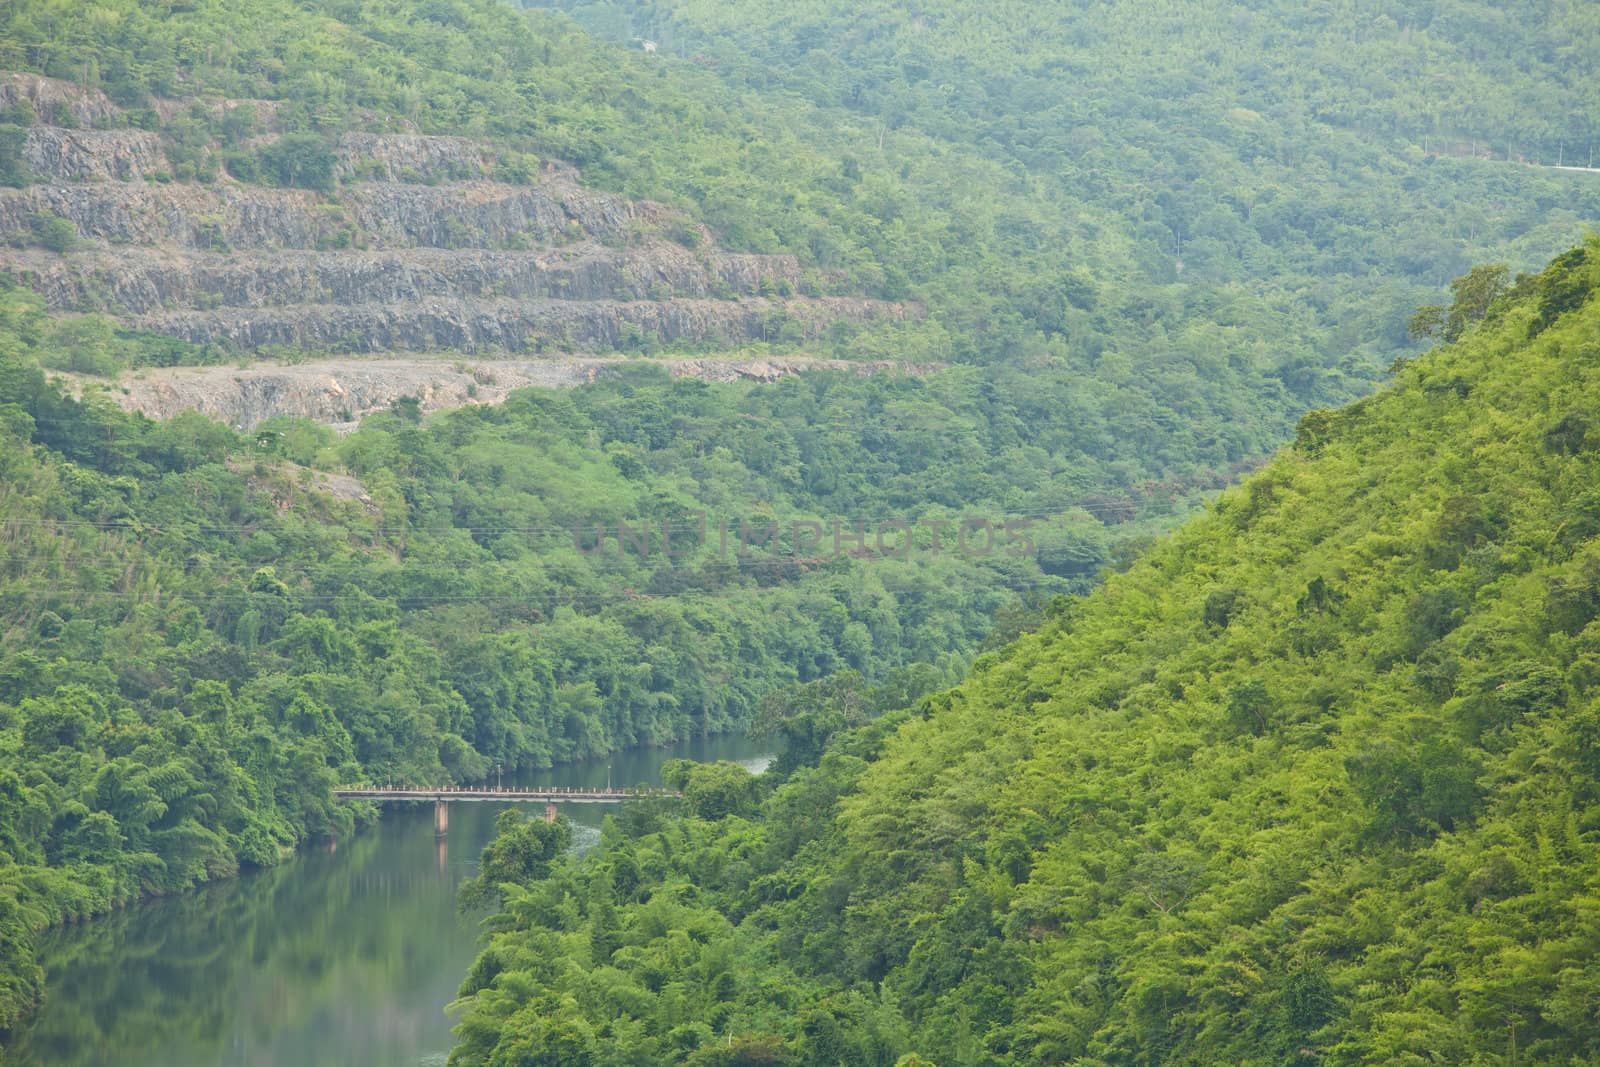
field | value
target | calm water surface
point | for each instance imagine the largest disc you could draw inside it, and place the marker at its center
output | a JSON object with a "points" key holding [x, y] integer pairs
{"points": [[343, 958]]}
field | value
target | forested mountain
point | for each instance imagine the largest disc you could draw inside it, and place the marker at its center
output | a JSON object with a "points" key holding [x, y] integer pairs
{"points": [[338, 178], [1312, 782], [1193, 224], [1127, 247]]}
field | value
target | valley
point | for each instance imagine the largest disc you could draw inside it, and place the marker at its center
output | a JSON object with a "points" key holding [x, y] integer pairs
{"points": [[1157, 568]]}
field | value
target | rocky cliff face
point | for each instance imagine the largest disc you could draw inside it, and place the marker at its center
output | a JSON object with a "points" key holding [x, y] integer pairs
{"points": [[140, 281], [58, 103], [94, 155], [422, 247], [505, 325]]}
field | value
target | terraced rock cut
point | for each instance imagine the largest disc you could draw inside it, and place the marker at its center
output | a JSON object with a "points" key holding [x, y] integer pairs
{"points": [[405, 242], [342, 391]]}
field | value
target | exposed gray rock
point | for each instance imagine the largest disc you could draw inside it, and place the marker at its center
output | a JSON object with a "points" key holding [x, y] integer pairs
{"points": [[176, 215], [410, 158], [342, 392], [141, 281], [745, 273], [514, 326], [226, 215], [418, 248], [482, 214], [54, 154]]}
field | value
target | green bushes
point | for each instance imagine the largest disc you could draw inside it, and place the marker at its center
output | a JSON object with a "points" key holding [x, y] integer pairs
{"points": [[300, 160], [13, 161], [54, 233]]}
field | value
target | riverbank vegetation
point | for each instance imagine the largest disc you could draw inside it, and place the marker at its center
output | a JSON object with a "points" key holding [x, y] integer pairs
{"points": [[205, 631]]}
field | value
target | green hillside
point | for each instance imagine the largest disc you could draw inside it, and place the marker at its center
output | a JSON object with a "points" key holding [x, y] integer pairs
{"points": [[1209, 153], [1313, 782], [1310, 782], [1204, 229], [1023, 76]]}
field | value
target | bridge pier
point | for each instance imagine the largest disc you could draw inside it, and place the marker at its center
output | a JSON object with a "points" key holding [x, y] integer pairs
{"points": [[549, 812], [441, 818]]}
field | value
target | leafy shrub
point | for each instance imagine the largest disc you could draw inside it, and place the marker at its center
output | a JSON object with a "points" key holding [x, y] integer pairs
{"points": [[54, 233], [300, 160]]}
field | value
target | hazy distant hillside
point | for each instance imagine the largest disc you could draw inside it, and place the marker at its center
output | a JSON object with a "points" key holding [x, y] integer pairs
{"points": [[1517, 75], [278, 178], [1194, 222], [1214, 154]]}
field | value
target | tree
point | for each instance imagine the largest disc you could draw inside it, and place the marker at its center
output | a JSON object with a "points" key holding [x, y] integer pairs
{"points": [[13, 161], [300, 159], [1475, 293], [712, 790], [522, 851], [1249, 708], [807, 715], [533, 1038], [84, 344], [54, 233], [745, 1050]]}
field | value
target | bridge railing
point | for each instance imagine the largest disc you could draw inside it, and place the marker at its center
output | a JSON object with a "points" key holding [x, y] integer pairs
{"points": [[401, 792]]}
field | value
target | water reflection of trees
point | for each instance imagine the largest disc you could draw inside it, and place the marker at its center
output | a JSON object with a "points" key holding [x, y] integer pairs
{"points": [[317, 945], [305, 964]]}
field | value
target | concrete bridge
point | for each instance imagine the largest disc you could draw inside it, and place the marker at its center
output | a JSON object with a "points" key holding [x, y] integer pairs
{"points": [[443, 796]]}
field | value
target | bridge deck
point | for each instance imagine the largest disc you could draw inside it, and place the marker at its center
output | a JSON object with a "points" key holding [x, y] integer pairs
{"points": [[505, 796]]}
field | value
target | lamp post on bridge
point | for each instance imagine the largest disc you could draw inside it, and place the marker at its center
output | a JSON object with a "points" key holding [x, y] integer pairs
{"points": [[608, 778], [498, 788]]}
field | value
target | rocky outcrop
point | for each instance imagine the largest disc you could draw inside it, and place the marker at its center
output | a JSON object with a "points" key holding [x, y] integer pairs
{"points": [[421, 247], [93, 155], [728, 371], [410, 157], [341, 392], [229, 216], [480, 214], [142, 281], [517, 326], [177, 216], [58, 103]]}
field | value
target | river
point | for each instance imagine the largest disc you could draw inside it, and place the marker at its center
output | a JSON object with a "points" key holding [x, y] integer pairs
{"points": [[338, 958]]}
